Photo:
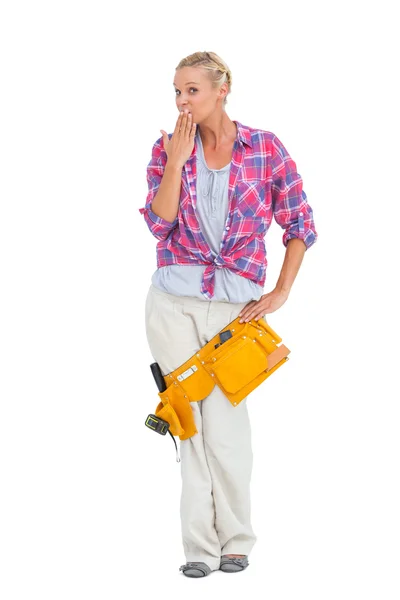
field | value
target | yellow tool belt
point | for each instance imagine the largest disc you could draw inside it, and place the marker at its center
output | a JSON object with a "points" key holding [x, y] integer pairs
{"points": [[237, 366]]}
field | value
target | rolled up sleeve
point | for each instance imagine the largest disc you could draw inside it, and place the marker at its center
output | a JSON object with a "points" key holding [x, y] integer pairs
{"points": [[158, 226], [290, 206]]}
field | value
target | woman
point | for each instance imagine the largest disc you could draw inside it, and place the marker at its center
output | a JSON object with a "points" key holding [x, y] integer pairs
{"points": [[214, 186]]}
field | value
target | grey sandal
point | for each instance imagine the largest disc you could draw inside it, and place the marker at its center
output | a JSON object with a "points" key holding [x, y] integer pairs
{"points": [[232, 565], [195, 569]]}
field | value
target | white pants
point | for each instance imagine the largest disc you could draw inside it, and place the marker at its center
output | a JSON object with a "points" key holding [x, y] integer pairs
{"points": [[216, 462]]}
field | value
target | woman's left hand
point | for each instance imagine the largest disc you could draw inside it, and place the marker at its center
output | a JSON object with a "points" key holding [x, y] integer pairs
{"points": [[268, 303]]}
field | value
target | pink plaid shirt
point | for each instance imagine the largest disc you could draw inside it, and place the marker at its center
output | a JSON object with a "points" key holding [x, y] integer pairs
{"points": [[263, 183]]}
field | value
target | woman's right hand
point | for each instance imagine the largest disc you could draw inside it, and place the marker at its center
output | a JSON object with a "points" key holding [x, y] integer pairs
{"points": [[181, 144]]}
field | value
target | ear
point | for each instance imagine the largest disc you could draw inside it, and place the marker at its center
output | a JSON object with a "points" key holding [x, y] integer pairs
{"points": [[223, 90]]}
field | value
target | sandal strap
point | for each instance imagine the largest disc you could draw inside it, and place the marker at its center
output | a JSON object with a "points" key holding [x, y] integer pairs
{"points": [[235, 560], [200, 566]]}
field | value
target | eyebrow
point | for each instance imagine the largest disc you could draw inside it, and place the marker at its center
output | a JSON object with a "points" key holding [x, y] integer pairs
{"points": [[187, 83]]}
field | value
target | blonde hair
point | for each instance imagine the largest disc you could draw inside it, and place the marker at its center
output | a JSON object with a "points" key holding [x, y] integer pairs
{"points": [[217, 70]]}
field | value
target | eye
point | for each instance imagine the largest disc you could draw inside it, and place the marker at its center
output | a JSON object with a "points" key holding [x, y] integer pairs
{"points": [[189, 90]]}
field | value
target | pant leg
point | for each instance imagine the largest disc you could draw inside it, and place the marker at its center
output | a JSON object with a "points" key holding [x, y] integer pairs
{"points": [[172, 340], [227, 444]]}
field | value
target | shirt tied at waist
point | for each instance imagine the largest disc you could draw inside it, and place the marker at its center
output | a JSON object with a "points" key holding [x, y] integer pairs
{"points": [[208, 280]]}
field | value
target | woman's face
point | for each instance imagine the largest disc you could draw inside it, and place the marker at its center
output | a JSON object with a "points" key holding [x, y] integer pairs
{"points": [[193, 91]]}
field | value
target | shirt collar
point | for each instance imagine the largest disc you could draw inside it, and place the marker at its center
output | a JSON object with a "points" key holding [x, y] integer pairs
{"points": [[243, 133]]}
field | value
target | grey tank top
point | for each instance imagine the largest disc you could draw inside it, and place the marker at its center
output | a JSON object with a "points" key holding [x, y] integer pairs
{"points": [[212, 211]]}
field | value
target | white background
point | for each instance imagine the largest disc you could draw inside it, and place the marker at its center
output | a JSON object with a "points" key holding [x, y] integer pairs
{"points": [[89, 495]]}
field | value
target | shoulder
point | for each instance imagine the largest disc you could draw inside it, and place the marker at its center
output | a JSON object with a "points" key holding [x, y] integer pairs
{"points": [[261, 140]]}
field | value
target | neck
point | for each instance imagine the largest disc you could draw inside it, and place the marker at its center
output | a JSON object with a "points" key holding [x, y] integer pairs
{"points": [[217, 130]]}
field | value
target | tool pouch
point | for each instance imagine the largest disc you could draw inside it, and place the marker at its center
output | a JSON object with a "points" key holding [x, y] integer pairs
{"points": [[242, 363], [188, 383]]}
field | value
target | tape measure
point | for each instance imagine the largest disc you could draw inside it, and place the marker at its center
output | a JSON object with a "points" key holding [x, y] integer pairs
{"points": [[160, 426]]}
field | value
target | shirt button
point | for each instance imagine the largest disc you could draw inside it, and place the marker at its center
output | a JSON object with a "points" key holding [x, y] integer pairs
{"points": [[227, 227], [301, 214]]}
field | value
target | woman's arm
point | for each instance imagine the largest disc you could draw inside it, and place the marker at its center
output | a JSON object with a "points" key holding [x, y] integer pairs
{"points": [[270, 302], [164, 184], [295, 250], [166, 202]]}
